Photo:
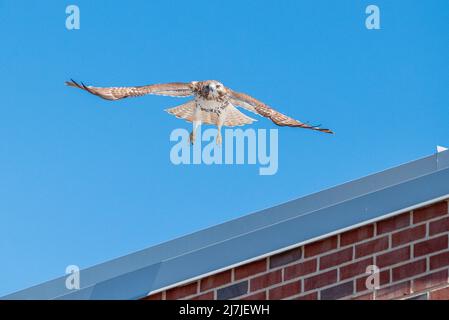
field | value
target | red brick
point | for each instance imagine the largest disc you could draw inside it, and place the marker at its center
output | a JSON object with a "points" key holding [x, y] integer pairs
{"points": [[429, 246], [320, 280], [429, 281], [384, 279], [409, 270], [285, 291], [371, 247], [393, 223], [439, 226], [215, 280], [430, 212], [257, 296], [233, 290], [321, 246], [408, 235], [181, 292], [356, 235], [300, 269], [355, 269], [393, 257], [439, 260], [156, 296], [338, 292], [250, 269], [368, 296], [440, 294], [395, 291], [336, 258], [204, 296], [265, 280], [310, 296], [286, 257]]}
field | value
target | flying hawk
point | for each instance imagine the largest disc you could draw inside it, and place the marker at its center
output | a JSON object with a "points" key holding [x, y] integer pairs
{"points": [[213, 103]]}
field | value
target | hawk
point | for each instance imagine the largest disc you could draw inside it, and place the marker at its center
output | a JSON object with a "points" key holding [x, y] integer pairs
{"points": [[213, 104]]}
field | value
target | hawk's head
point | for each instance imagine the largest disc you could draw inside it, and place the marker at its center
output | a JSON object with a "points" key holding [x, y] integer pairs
{"points": [[212, 90]]}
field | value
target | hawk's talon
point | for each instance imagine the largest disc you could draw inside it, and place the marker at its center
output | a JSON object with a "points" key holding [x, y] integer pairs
{"points": [[192, 138], [219, 140]]}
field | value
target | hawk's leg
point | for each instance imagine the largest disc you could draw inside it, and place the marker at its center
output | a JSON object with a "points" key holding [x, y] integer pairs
{"points": [[221, 120], [218, 139], [195, 126]]}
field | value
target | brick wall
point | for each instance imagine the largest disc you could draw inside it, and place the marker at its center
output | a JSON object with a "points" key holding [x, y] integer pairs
{"points": [[410, 249]]}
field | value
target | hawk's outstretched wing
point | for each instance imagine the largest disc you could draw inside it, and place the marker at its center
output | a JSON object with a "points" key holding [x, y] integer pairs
{"points": [[176, 89], [251, 104]]}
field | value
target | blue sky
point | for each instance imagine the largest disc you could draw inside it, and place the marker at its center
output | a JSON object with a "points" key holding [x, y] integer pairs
{"points": [[84, 180]]}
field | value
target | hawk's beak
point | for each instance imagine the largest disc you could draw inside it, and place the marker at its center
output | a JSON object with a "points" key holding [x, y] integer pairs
{"points": [[208, 91]]}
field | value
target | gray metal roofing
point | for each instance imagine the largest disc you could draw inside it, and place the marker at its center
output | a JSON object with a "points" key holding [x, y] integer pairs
{"points": [[296, 222]]}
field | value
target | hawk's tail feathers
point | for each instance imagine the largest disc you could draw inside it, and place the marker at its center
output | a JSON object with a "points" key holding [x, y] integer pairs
{"points": [[235, 118], [184, 111]]}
